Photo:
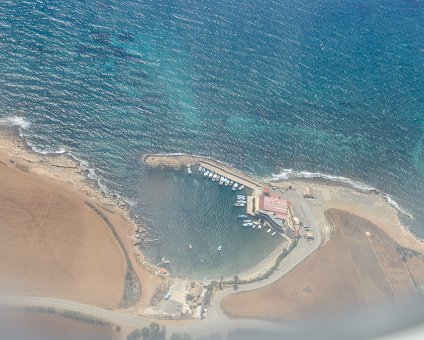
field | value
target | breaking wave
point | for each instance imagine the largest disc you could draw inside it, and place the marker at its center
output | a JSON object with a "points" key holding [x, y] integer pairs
{"points": [[18, 121], [290, 174], [22, 124]]}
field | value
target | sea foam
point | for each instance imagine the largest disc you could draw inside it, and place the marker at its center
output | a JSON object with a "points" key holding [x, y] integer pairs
{"points": [[291, 174]]}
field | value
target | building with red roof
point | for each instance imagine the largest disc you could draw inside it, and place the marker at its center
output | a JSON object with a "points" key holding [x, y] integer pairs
{"points": [[278, 209]]}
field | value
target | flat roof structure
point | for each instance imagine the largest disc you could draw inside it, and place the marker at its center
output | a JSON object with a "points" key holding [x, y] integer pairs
{"points": [[273, 203]]}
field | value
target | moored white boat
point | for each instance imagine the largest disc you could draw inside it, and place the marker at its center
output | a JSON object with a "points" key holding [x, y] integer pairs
{"points": [[241, 187], [235, 186], [273, 233], [206, 173], [269, 230], [239, 204], [242, 216], [200, 169], [211, 174]]}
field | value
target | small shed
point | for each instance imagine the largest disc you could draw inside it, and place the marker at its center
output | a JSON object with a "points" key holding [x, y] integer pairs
{"points": [[308, 192]]}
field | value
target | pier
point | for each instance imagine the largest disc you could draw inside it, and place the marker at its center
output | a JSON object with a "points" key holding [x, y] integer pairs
{"points": [[252, 205]]}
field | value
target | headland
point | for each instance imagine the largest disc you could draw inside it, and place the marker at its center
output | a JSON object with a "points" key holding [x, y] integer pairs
{"points": [[75, 236], [62, 236]]}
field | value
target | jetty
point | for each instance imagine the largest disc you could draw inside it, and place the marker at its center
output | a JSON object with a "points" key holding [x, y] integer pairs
{"points": [[248, 182]]}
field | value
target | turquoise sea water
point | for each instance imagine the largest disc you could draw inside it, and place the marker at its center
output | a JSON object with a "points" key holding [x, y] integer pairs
{"points": [[317, 88]]}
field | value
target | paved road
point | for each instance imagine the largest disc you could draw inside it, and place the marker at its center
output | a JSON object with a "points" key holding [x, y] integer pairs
{"points": [[193, 327], [301, 252]]}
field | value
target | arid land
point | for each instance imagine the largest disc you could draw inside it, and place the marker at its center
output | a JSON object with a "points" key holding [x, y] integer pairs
{"points": [[63, 238], [358, 267]]}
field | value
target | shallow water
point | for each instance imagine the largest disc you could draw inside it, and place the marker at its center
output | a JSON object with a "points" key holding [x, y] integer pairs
{"points": [[325, 87]]}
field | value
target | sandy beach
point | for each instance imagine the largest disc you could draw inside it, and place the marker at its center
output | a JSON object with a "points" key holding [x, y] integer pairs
{"points": [[61, 236]]}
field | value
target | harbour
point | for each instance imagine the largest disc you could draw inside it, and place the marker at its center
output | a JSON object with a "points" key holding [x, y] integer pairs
{"points": [[194, 217], [250, 213]]}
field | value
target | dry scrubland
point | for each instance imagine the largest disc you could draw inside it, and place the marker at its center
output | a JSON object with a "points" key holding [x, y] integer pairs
{"points": [[57, 239], [352, 270], [53, 244]]}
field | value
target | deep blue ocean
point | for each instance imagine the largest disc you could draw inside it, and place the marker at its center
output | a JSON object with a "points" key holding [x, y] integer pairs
{"points": [[332, 88]]}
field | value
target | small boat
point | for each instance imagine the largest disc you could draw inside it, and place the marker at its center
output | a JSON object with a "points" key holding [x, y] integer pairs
{"points": [[227, 182], [269, 230], [247, 221], [203, 170], [247, 224], [206, 173], [165, 261], [221, 180], [242, 216], [241, 196], [235, 186], [239, 204], [200, 169], [211, 174], [214, 177], [219, 248], [253, 226], [190, 247], [273, 233], [259, 227], [241, 187], [231, 182], [189, 171]]}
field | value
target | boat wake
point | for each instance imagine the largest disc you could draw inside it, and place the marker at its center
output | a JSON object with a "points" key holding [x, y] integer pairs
{"points": [[287, 174]]}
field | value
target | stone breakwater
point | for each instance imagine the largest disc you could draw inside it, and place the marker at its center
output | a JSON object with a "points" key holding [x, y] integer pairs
{"points": [[180, 161]]}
